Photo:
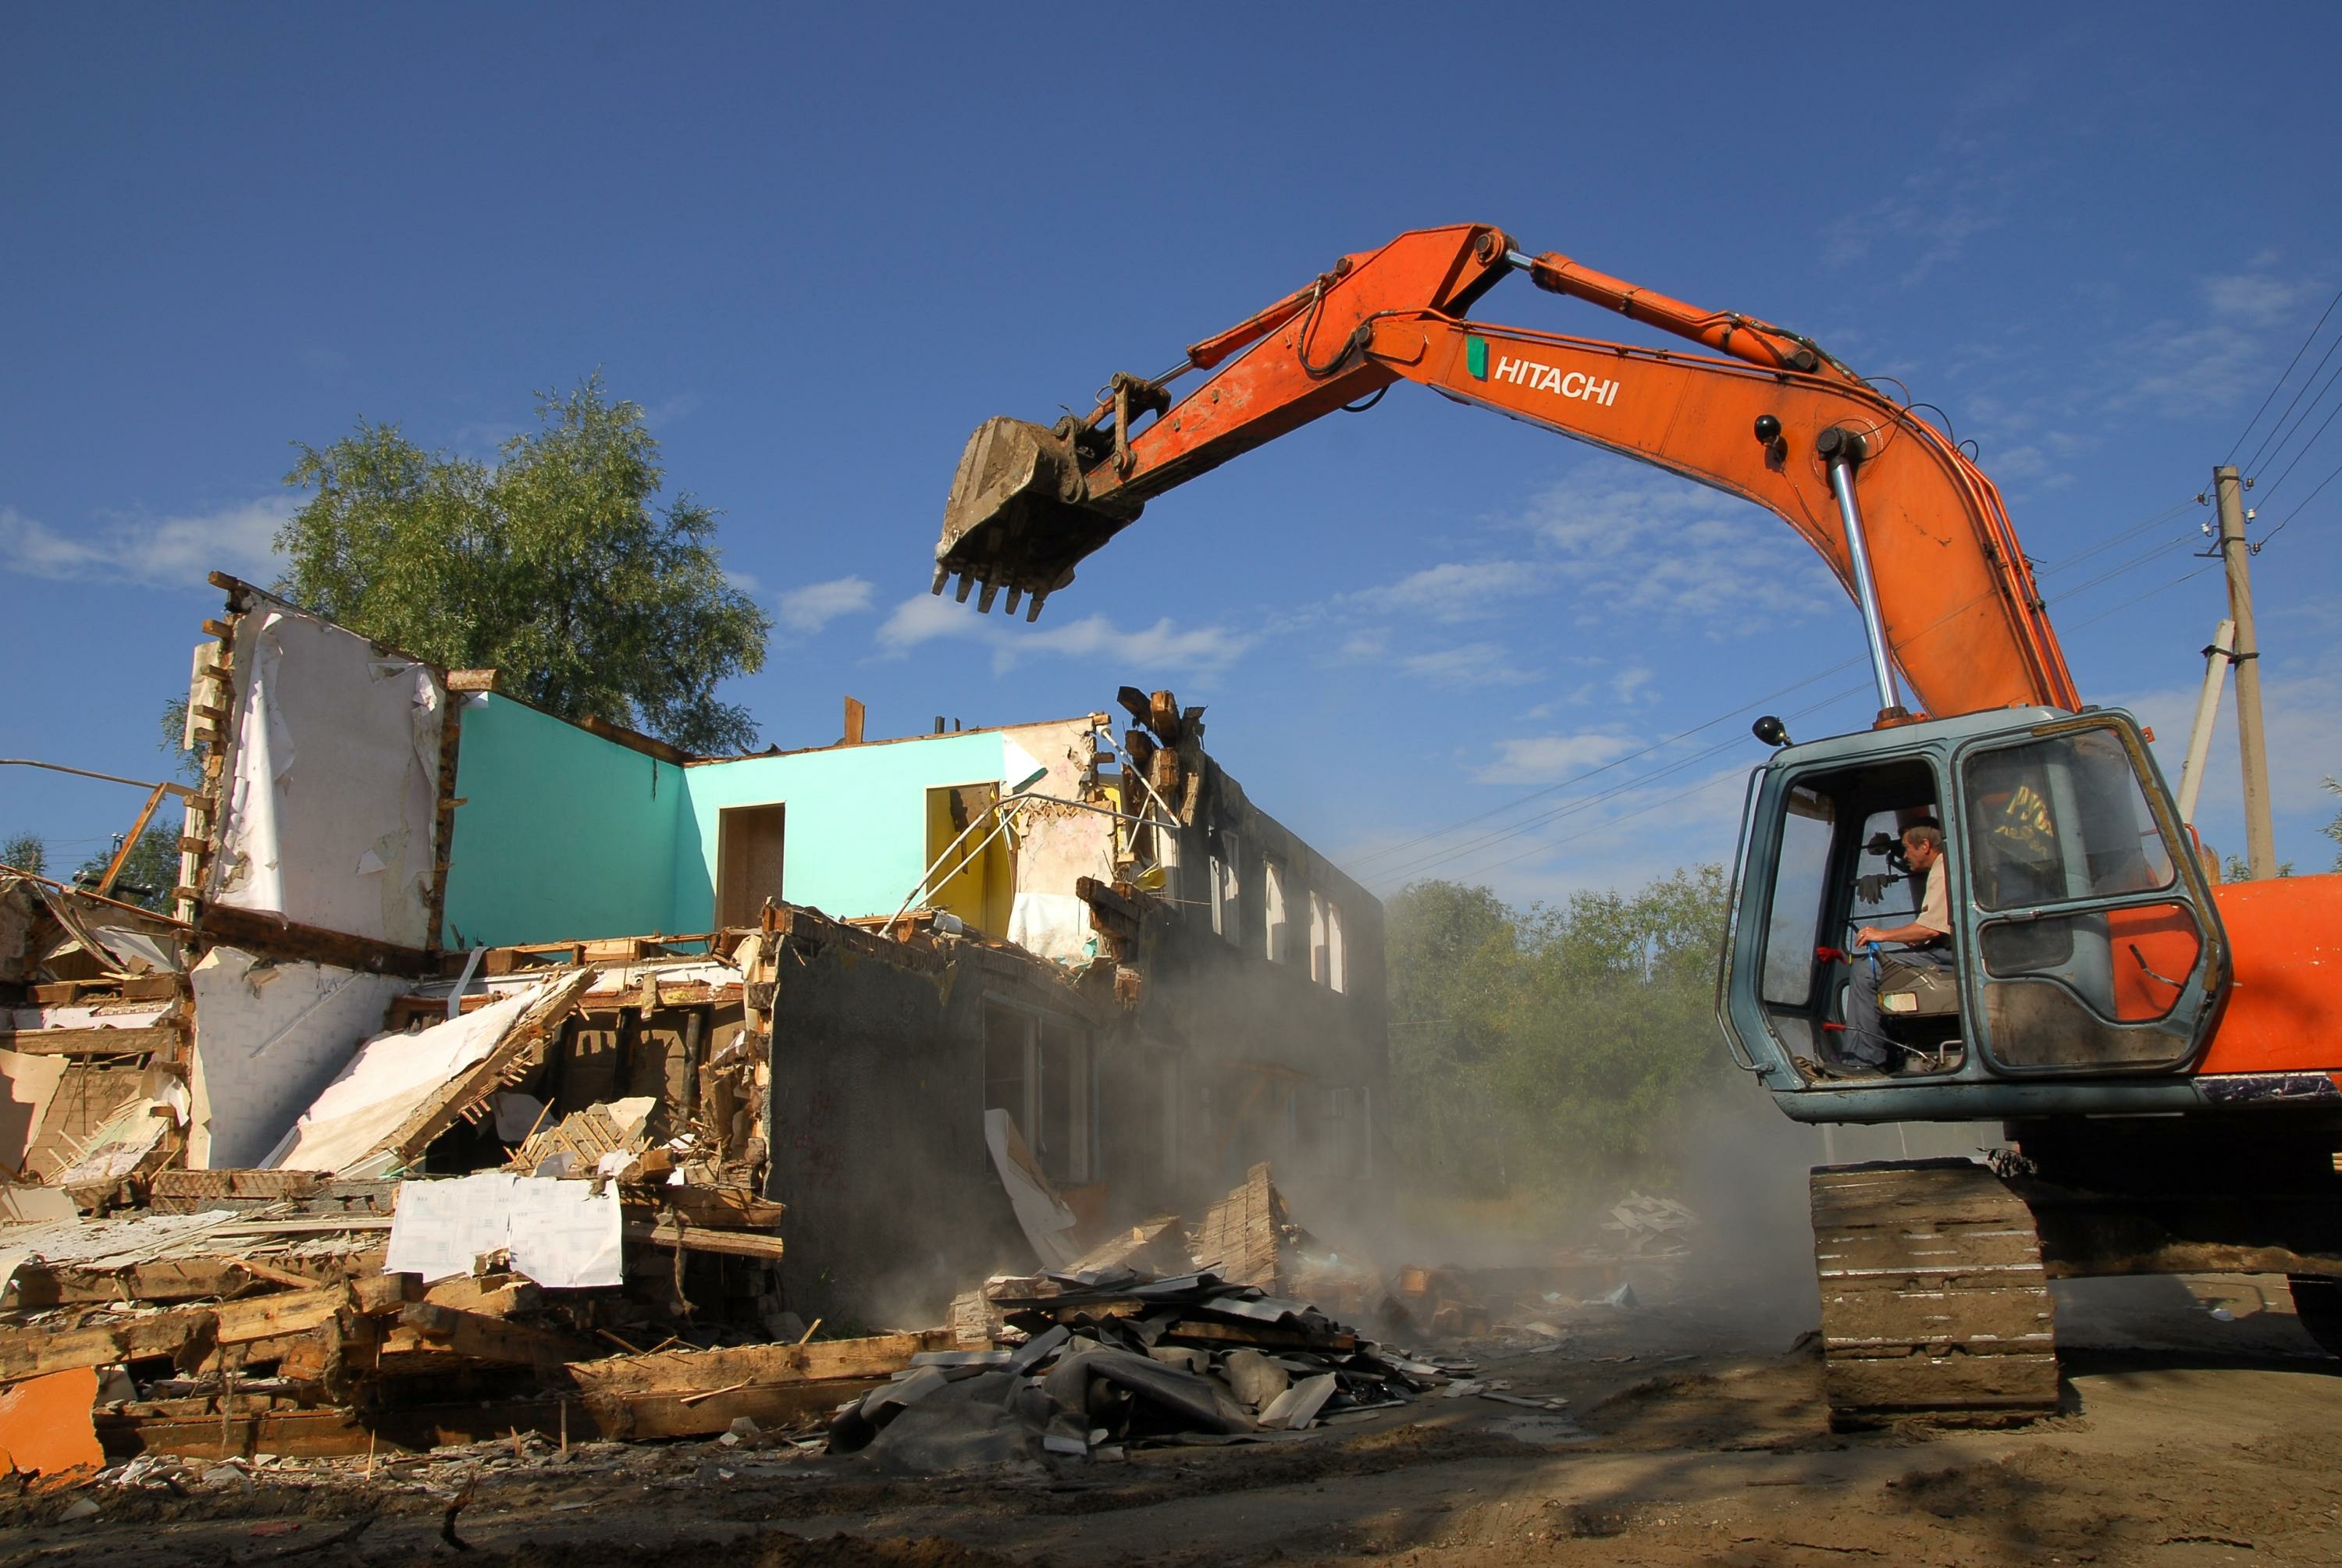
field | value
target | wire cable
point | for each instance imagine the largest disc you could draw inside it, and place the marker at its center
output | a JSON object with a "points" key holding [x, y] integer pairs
{"points": [[2119, 537], [2303, 453], [2279, 387], [2305, 500], [1572, 808], [2254, 462]]}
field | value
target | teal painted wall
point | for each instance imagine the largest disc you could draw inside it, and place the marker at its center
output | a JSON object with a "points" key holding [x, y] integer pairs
{"points": [[562, 835], [855, 836]]}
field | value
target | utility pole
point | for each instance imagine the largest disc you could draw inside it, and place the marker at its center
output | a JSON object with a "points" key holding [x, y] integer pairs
{"points": [[2208, 708], [2261, 837]]}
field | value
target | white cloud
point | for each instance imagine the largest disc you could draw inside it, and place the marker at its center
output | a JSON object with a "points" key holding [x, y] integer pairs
{"points": [[174, 552], [1471, 664], [806, 610], [672, 410], [925, 618], [1454, 591], [2297, 705], [1655, 548], [1931, 231], [1547, 759], [2225, 355]]}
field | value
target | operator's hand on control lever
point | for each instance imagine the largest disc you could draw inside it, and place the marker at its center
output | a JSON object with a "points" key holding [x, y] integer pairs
{"points": [[1868, 935]]}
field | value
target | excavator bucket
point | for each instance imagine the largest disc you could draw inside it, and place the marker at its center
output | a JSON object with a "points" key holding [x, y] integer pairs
{"points": [[1019, 517]]}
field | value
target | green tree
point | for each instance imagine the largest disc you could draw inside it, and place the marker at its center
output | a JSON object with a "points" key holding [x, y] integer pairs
{"points": [[2333, 830], [26, 851], [550, 563], [147, 877], [1547, 1048]]}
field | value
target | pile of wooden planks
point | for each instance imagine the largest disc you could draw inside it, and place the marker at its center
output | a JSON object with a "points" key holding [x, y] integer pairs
{"points": [[249, 1310]]}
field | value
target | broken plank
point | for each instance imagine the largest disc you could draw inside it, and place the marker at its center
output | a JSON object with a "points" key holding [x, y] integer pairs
{"points": [[237, 1184], [705, 1239], [269, 1316], [279, 937], [182, 1333], [520, 1047], [427, 1327], [487, 1296], [195, 1429], [728, 1208], [1260, 1335], [92, 1042], [684, 1372], [772, 1406]]}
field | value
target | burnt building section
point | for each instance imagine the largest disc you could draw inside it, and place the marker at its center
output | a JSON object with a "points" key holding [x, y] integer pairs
{"points": [[927, 1007]]}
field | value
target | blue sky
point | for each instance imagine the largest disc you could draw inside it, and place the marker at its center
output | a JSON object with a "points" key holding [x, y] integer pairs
{"points": [[819, 246]]}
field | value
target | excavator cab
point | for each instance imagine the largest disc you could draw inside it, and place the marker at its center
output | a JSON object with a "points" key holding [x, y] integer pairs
{"points": [[2084, 941]]}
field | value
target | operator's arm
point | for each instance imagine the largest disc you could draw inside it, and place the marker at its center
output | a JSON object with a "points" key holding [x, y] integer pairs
{"points": [[1931, 923]]}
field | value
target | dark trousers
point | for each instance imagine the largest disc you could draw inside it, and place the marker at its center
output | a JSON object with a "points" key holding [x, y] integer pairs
{"points": [[1866, 1040]]}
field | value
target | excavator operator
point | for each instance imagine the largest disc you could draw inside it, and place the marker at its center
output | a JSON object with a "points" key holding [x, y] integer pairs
{"points": [[1928, 943]]}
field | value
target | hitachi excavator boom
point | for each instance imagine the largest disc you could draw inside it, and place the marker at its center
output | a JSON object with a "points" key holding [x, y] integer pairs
{"points": [[1763, 415]]}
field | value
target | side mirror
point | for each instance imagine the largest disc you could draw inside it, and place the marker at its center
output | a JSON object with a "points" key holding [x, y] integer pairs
{"points": [[1771, 731]]}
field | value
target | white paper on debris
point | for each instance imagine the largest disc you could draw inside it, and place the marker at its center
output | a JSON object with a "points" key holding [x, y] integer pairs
{"points": [[562, 1235], [386, 1080], [334, 779], [1047, 1224]]}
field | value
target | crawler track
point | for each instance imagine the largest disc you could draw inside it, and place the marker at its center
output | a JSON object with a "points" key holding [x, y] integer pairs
{"points": [[1934, 1301]]}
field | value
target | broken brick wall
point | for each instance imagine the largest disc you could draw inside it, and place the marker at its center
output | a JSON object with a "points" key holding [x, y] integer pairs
{"points": [[878, 1116]]}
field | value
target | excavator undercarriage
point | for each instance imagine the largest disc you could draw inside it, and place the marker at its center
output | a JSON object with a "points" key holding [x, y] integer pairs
{"points": [[1934, 1275], [1934, 1302]]}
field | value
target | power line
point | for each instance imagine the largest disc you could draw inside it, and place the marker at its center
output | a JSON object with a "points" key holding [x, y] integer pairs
{"points": [[1602, 767], [1547, 845], [2254, 462], [2305, 500], [2279, 386], [2119, 537], [2302, 454]]}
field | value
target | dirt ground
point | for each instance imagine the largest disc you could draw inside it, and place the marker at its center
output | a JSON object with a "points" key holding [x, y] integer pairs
{"points": [[2201, 1427]]}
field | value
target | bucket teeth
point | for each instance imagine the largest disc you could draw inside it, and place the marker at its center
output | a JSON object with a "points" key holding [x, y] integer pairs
{"points": [[966, 581], [1014, 594], [984, 600], [1033, 610], [943, 575]]}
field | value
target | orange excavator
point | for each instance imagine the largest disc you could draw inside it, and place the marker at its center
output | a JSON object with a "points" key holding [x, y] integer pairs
{"points": [[2165, 1055]]}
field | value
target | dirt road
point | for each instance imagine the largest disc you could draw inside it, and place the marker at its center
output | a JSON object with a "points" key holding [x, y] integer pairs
{"points": [[2200, 1428]]}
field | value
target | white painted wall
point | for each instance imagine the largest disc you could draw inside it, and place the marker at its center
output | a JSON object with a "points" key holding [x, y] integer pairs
{"points": [[269, 1038], [333, 781]]}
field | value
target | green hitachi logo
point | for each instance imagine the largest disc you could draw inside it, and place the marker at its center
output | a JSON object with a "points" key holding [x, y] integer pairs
{"points": [[1528, 372]]}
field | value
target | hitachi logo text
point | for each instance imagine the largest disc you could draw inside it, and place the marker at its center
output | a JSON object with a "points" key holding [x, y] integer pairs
{"points": [[1549, 378]]}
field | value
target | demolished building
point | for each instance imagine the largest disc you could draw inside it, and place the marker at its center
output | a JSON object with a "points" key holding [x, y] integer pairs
{"points": [[950, 1001]]}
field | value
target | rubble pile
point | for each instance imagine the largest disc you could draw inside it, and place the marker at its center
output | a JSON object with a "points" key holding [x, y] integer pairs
{"points": [[1098, 1359], [1650, 1227]]}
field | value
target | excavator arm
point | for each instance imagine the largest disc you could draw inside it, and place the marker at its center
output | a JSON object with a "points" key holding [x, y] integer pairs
{"points": [[1764, 416]]}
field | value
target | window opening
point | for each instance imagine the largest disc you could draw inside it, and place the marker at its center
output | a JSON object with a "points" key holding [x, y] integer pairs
{"points": [[1320, 965], [1800, 903], [1338, 958], [1277, 931], [1228, 889]]}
